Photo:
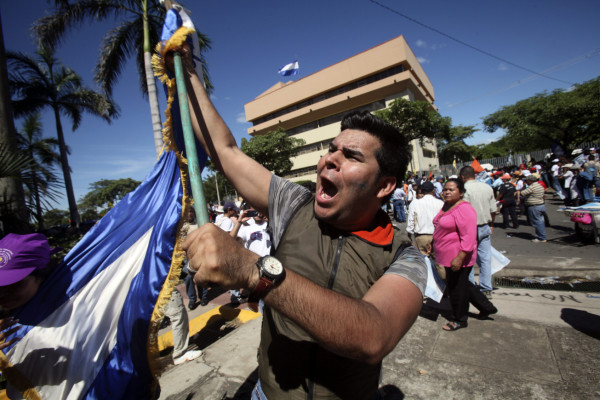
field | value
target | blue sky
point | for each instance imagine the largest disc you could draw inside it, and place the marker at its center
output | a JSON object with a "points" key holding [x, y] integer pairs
{"points": [[252, 40]]}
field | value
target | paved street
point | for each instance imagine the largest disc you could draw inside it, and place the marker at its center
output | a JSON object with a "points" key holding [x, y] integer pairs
{"points": [[542, 344]]}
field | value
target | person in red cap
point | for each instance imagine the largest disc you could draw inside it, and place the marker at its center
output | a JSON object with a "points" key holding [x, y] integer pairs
{"points": [[24, 264]]}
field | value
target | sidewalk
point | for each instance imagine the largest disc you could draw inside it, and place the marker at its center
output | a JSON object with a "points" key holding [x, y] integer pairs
{"points": [[541, 344]]}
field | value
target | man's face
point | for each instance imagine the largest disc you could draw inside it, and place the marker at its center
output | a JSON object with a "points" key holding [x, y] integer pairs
{"points": [[260, 218], [349, 191]]}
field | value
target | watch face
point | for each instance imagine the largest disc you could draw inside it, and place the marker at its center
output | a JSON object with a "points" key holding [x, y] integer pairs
{"points": [[272, 266]]}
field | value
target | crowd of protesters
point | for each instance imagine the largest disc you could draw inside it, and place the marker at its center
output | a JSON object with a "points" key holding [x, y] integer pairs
{"points": [[430, 205], [575, 181]]}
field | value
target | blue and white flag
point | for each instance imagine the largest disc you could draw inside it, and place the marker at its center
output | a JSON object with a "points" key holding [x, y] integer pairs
{"points": [[85, 333], [91, 330], [290, 69]]}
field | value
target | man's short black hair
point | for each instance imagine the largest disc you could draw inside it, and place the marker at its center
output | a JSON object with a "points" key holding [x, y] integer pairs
{"points": [[394, 154], [467, 172]]}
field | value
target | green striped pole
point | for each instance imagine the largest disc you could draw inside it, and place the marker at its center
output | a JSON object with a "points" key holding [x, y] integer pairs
{"points": [[190, 144]]}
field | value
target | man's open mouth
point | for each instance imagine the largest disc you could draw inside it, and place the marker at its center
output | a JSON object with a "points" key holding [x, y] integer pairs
{"points": [[327, 190]]}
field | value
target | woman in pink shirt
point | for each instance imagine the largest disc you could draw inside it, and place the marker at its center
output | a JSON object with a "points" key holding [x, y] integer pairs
{"points": [[455, 248]]}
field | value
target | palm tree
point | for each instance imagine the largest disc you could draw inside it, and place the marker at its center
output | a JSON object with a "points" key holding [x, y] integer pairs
{"points": [[40, 83], [39, 178], [13, 213], [136, 34]]}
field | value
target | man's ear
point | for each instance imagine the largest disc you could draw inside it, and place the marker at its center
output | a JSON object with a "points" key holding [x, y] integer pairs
{"points": [[386, 185]]}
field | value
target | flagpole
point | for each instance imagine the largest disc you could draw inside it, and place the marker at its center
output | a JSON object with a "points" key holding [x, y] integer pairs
{"points": [[190, 144]]}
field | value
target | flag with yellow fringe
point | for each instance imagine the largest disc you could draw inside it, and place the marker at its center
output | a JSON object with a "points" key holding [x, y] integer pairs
{"points": [[91, 330]]}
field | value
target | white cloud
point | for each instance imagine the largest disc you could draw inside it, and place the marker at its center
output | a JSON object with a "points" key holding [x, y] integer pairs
{"points": [[502, 67], [422, 60], [120, 167], [423, 44], [241, 118]]}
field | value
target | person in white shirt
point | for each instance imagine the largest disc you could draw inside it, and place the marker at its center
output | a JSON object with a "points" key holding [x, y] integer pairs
{"points": [[438, 185], [420, 218], [568, 177], [556, 177], [252, 231], [410, 192], [399, 200], [226, 222]]}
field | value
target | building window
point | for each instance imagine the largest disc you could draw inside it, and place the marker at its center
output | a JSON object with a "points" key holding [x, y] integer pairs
{"points": [[428, 153], [301, 172], [309, 148], [332, 119]]}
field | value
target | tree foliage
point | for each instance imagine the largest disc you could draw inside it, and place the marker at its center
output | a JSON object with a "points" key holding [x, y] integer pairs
{"points": [[416, 119], [498, 148], [124, 41], [40, 180], [565, 117], [105, 194], [56, 217], [273, 150], [39, 83], [210, 183], [138, 24], [451, 144]]}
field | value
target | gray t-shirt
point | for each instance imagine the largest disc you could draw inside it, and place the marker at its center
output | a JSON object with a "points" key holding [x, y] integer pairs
{"points": [[286, 197]]}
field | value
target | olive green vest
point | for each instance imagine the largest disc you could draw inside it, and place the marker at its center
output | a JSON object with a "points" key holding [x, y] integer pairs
{"points": [[291, 364]]}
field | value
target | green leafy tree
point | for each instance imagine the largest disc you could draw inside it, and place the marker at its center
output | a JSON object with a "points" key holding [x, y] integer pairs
{"points": [[42, 183], [56, 217], [273, 150], [40, 83], [138, 24], [416, 119], [499, 148], [105, 194], [565, 117], [210, 184], [451, 144]]}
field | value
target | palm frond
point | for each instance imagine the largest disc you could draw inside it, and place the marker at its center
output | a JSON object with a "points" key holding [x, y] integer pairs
{"points": [[51, 30], [117, 46], [12, 164], [86, 100]]}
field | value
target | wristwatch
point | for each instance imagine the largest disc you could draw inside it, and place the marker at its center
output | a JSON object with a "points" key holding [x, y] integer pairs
{"points": [[271, 274]]}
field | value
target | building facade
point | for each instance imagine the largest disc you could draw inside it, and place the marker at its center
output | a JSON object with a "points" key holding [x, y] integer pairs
{"points": [[312, 107]]}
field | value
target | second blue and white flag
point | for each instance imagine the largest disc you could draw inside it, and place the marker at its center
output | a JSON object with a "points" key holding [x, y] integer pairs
{"points": [[290, 69]]}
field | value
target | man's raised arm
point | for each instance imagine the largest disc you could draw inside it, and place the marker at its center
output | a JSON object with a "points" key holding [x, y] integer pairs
{"points": [[250, 179]]}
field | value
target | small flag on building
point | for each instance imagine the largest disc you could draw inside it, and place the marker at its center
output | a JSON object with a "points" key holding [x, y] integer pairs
{"points": [[289, 69]]}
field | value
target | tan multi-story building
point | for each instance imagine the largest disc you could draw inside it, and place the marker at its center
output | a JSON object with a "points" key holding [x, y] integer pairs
{"points": [[311, 108]]}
